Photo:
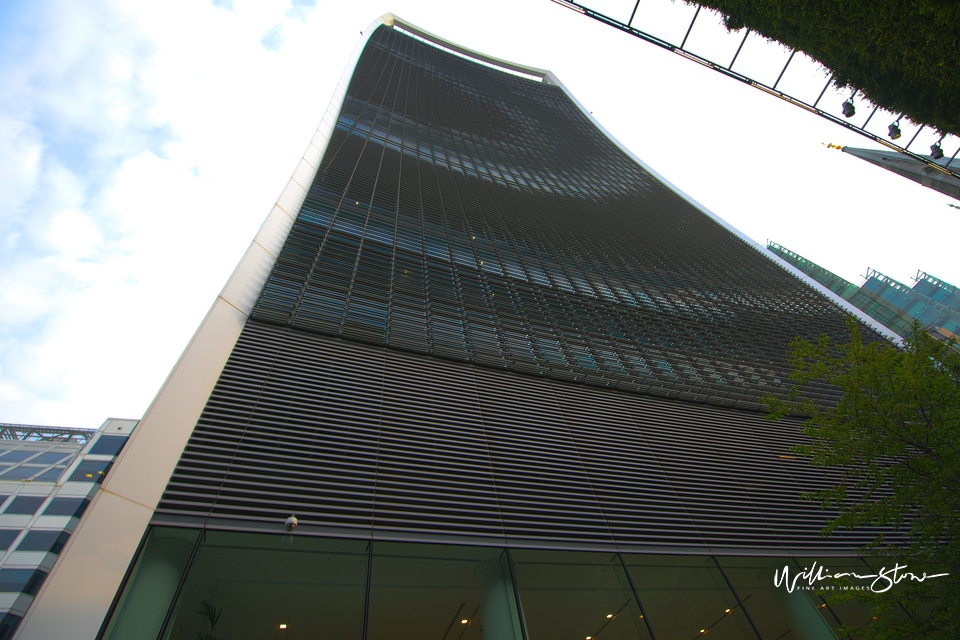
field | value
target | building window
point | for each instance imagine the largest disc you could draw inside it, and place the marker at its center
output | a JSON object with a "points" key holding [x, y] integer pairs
{"points": [[27, 581], [25, 505], [66, 507], [48, 541], [571, 594], [441, 591], [109, 445], [7, 536], [318, 587], [91, 470]]}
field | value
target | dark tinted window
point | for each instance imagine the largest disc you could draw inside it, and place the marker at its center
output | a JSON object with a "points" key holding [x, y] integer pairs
{"points": [[91, 471], [25, 505], [7, 536], [51, 541], [16, 456], [51, 475], [109, 445], [49, 458], [8, 624], [25, 580], [66, 507]]}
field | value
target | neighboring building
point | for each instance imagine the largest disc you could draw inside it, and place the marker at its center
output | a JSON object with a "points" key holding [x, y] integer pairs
{"points": [[933, 303], [480, 372], [48, 475], [911, 169]]}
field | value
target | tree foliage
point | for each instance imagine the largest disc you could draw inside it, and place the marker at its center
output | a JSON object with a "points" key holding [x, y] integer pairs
{"points": [[901, 54], [894, 437]]}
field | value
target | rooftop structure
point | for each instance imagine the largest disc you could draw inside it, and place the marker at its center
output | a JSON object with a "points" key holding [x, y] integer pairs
{"points": [[910, 169], [933, 303]]}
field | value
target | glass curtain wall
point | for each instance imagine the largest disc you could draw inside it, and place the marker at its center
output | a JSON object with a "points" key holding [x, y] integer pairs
{"points": [[234, 585]]}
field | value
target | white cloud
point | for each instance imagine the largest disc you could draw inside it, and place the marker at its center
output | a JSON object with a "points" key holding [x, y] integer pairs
{"points": [[273, 39], [73, 233], [300, 8]]}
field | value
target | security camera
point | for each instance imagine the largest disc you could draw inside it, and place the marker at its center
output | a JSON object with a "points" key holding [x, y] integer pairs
{"points": [[291, 523]]}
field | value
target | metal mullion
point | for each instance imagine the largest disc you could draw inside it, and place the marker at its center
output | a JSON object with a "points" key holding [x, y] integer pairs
{"points": [[396, 223], [484, 282], [564, 296], [383, 151], [535, 250], [612, 309], [333, 219], [346, 105], [431, 343]]}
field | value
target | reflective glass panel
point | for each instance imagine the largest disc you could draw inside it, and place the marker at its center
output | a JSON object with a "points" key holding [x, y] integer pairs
{"points": [[21, 580], [109, 445], [50, 458], [16, 456], [576, 595], [442, 592], [7, 536], [66, 507], [687, 596], [91, 471], [51, 541], [152, 584], [25, 505], [775, 611], [261, 585]]}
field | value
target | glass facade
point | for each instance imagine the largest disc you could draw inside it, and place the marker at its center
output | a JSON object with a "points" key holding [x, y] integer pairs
{"points": [[489, 322], [508, 382], [479, 216], [294, 586], [931, 302]]}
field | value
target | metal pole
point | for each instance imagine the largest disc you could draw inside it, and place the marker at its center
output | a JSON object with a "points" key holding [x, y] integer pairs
{"points": [[952, 157], [829, 80], [784, 70], [690, 28], [915, 136], [868, 119], [633, 13], [742, 42], [636, 594]]}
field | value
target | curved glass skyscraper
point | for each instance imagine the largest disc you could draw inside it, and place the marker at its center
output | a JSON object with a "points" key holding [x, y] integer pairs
{"points": [[504, 379]]}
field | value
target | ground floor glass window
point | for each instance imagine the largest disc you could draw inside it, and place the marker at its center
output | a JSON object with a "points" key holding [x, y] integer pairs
{"points": [[191, 584]]}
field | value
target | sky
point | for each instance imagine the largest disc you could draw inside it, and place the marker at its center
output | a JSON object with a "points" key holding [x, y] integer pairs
{"points": [[142, 145]]}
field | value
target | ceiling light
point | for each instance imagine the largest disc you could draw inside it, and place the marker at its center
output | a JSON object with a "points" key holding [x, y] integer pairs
{"points": [[283, 625], [728, 611], [609, 616], [464, 621]]}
